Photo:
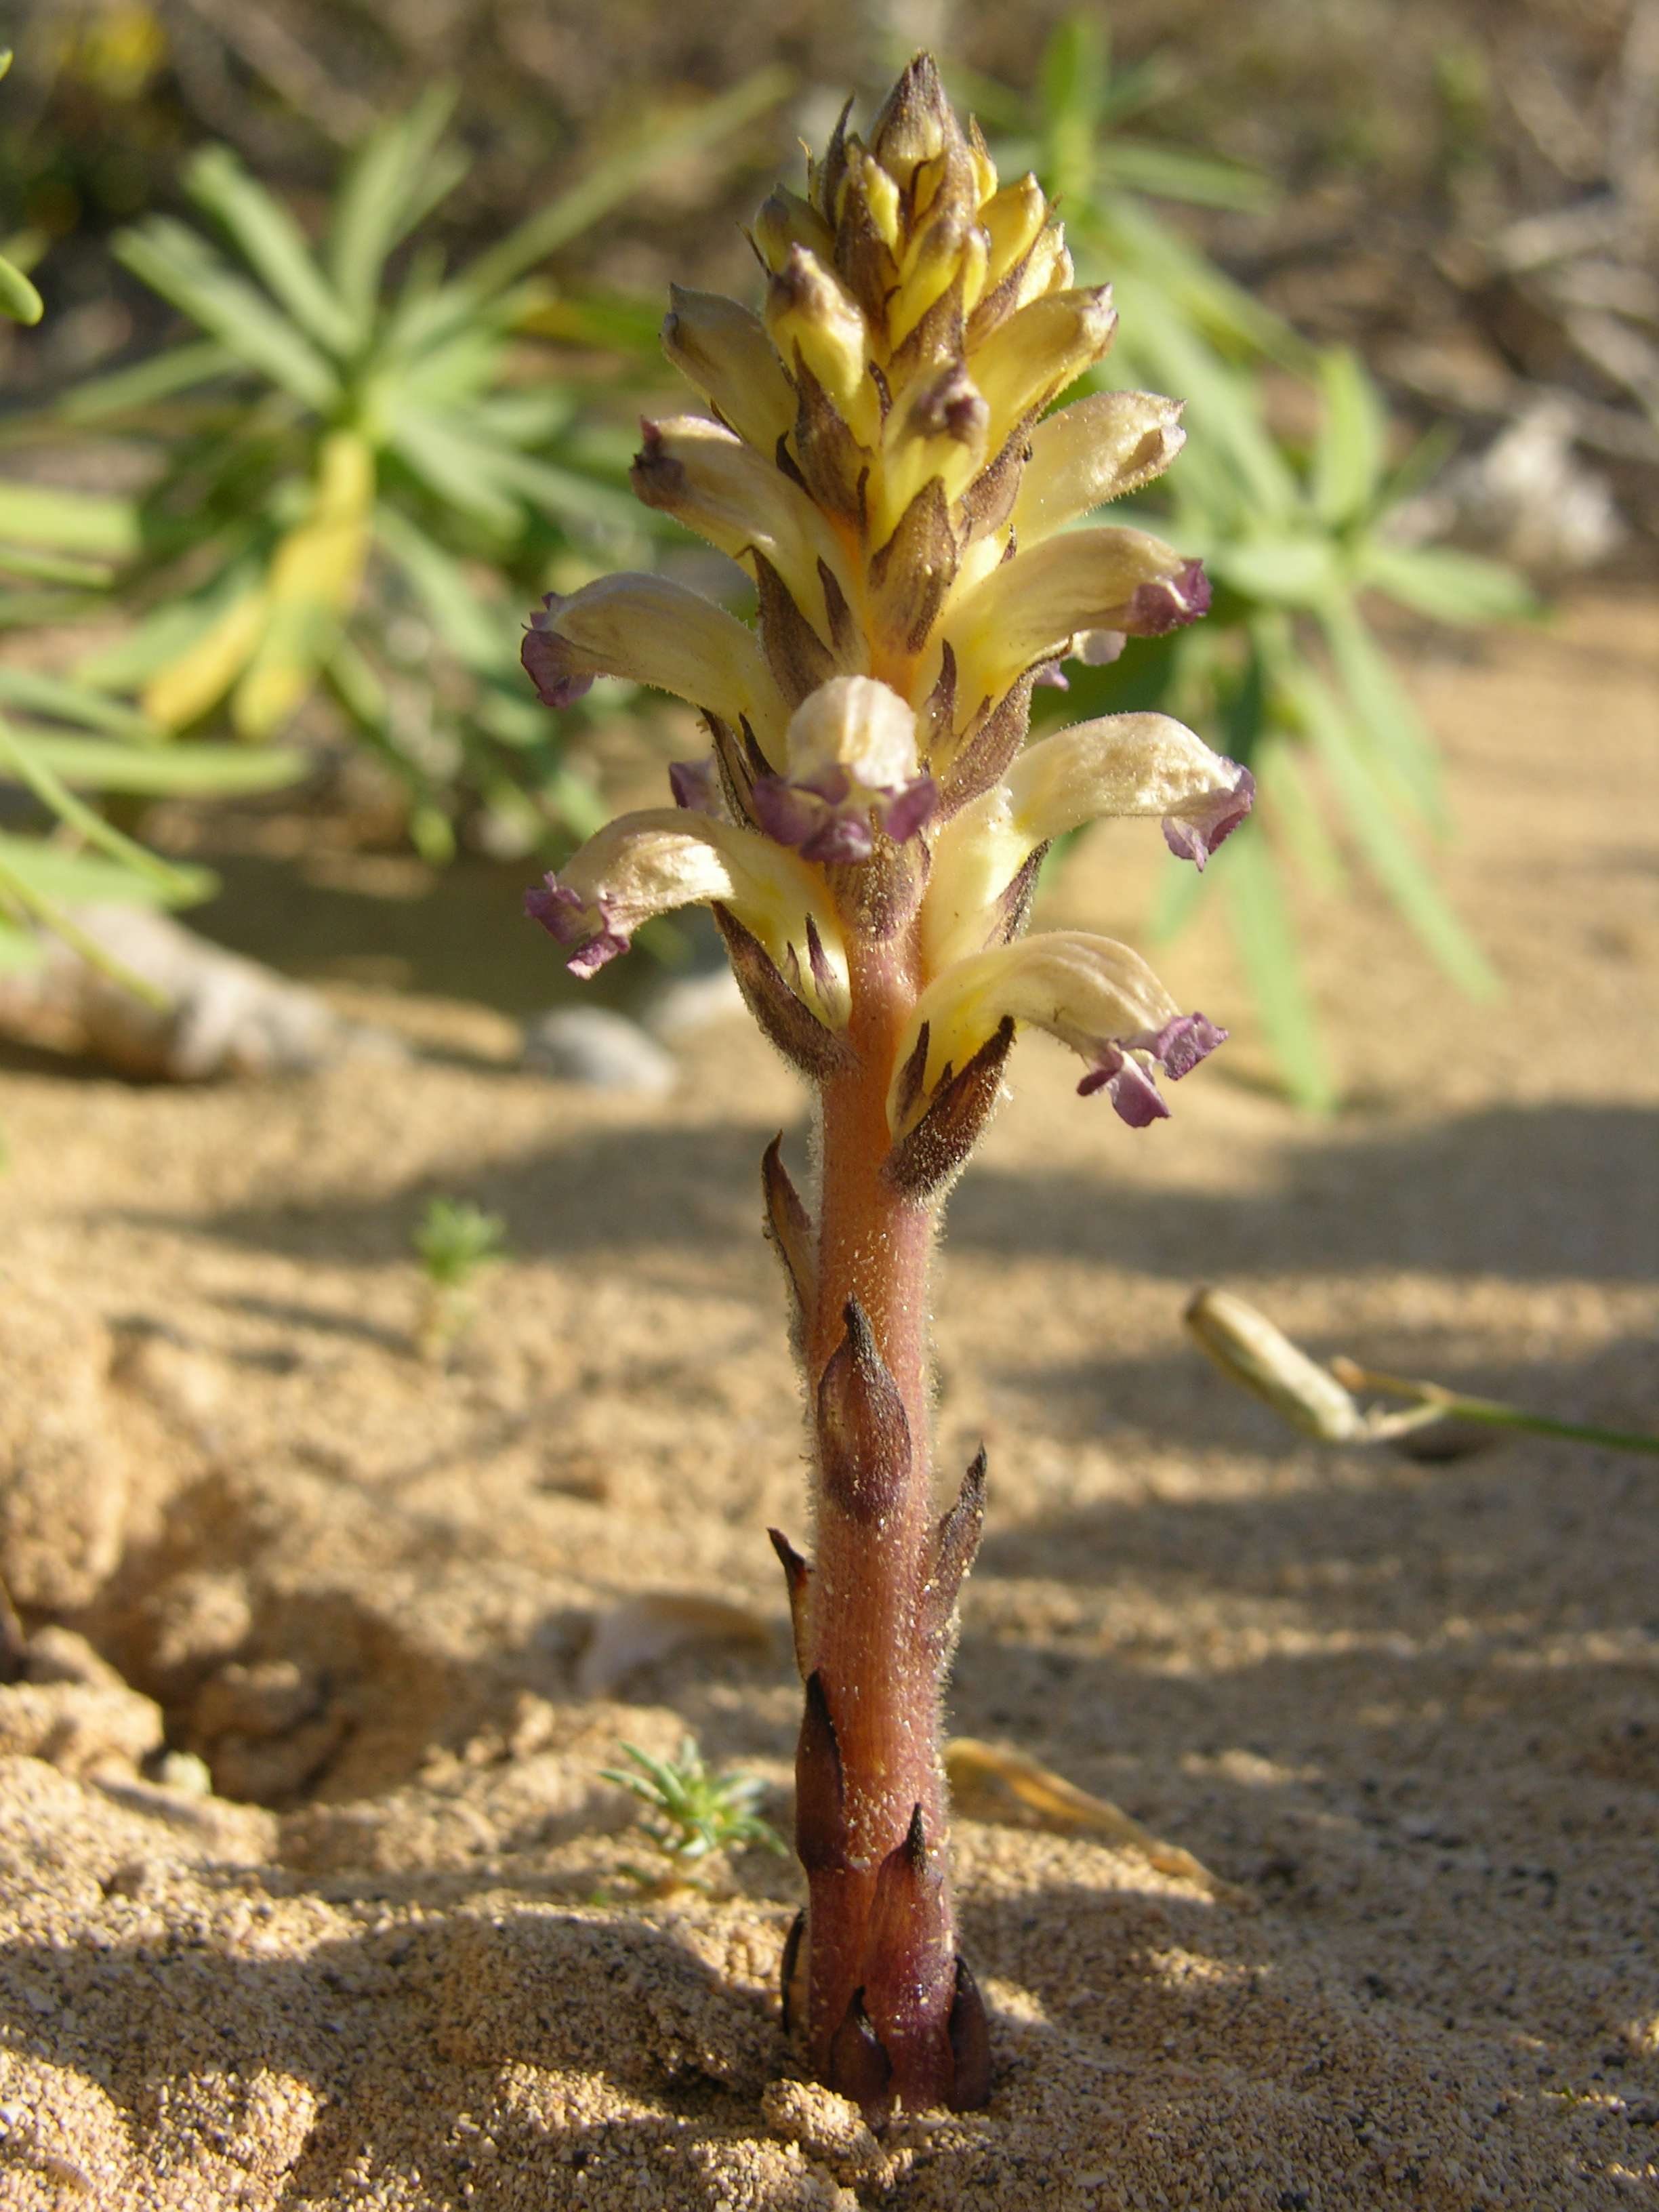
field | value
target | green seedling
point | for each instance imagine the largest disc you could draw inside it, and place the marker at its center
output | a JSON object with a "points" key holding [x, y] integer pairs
{"points": [[454, 1242], [694, 1812]]}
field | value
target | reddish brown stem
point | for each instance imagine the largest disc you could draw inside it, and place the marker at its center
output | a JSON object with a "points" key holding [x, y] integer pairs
{"points": [[889, 2011]]}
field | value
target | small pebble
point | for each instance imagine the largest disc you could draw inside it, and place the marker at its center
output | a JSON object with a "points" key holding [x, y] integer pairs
{"points": [[599, 1049], [692, 1003]]}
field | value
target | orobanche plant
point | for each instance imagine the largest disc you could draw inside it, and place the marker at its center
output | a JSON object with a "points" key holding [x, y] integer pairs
{"points": [[867, 830]]}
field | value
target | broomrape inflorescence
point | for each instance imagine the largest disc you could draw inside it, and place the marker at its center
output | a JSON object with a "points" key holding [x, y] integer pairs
{"points": [[867, 830]]}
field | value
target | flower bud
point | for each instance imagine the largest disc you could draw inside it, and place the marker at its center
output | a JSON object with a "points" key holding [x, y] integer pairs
{"points": [[786, 220], [723, 352], [915, 123], [810, 314]]}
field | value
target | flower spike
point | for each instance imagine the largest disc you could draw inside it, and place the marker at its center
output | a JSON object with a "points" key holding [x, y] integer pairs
{"points": [[878, 452]]}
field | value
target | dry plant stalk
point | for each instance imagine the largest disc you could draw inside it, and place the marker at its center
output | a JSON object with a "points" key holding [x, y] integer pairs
{"points": [[867, 830]]}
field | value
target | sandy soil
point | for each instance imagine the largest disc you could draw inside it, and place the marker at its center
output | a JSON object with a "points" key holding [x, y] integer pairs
{"points": [[1410, 1707]]}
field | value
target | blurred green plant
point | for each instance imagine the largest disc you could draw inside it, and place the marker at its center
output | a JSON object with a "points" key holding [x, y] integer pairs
{"points": [[18, 297], [1285, 673], [454, 1241], [61, 738], [695, 1813], [363, 479]]}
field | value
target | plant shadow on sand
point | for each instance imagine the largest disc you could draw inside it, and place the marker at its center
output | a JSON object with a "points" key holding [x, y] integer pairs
{"points": [[1579, 1191]]}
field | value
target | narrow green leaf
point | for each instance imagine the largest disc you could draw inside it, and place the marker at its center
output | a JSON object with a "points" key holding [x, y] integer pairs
{"points": [[55, 568], [1265, 938], [1172, 173], [179, 369], [40, 880], [66, 701], [1449, 587], [1180, 891], [1352, 447], [1285, 800], [18, 297], [609, 182], [174, 262], [458, 468], [999, 106], [475, 635], [163, 771], [358, 687], [1222, 404], [167, 633], [398, 175], [1392, 859], [37, 871], [19, 950], [526, 418], [1286, 572], [272, 242], [1380, 706], [68, 521], [574, 500], [1127, 236], [177, 885], [1072, 79]]}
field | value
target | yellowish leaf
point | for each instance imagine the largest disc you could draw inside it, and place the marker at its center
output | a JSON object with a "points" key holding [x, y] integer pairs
{"points": [[982, 1773]]}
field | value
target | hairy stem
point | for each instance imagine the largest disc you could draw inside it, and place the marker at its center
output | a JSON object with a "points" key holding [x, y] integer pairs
{"points": [[882, 1978]]}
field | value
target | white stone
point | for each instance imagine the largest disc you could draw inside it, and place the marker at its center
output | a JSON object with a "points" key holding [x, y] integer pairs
{"points": [[599, 1049]]}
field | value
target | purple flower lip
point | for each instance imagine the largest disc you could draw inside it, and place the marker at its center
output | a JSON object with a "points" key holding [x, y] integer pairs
{"points": [[567, 919], [1194, 834], [547, 660], [1177, 1048], [1169, 602], [827, 817], [1179, 1045], [695, 785]]}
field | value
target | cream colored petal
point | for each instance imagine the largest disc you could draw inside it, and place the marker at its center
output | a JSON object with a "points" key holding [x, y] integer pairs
{"points": [[723, 351], [1099, 449], [717, 485], [978, 853], [659, 632], [1081, 989], [1119, 766], [851, 722], [1027, 609], [1039, 351], [1122, 764], [652, 862]]}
